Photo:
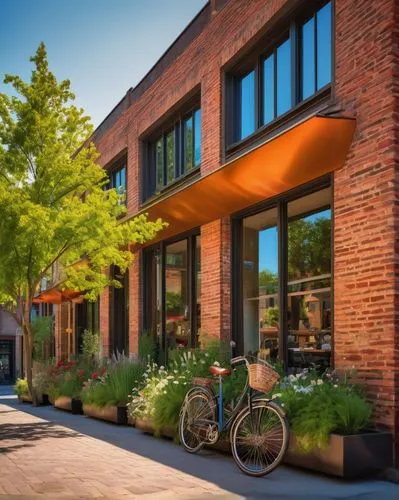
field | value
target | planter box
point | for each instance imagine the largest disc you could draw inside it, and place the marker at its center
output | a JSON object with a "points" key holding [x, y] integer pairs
{"points": [[114, 414], [148, 427], [45, 400], [347, 456], [25, 398], [69, 404]]}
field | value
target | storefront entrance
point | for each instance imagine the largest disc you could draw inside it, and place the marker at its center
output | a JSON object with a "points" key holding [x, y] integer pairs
{"points": [[7, 354]]}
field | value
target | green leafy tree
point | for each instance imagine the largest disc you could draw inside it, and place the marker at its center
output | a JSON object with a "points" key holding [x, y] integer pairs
{"points": [[53, 202]]}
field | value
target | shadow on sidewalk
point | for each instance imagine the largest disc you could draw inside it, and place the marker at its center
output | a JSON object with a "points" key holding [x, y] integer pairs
{"points": [[283, 483]]}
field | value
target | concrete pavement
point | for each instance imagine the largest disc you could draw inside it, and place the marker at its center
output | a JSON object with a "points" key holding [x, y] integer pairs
{"points": [[47, 453]]}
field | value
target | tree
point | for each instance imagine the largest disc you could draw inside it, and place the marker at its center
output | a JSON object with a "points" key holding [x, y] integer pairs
{"points": [[54, 204]]}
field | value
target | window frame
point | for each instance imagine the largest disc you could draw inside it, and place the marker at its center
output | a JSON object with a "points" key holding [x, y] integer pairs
{"points": [[281, 203], [115, 167], [161, 247], [149, 171], [254, 61]]}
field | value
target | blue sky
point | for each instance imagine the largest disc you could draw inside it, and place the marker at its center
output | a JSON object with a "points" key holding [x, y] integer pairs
{"points": [[103, 46]]}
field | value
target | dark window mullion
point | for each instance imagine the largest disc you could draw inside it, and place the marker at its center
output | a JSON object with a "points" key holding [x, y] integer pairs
{"points": [[282, 225], [164, 160], [193, 138]]}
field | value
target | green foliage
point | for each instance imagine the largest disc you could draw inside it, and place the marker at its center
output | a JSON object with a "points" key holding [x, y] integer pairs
{"points": [[91, 344], [271, 316], [114, 387], [21, 387], [42, 327], [173, 301], [147, 347], [268, 281], [318, 406], [54, 208]]}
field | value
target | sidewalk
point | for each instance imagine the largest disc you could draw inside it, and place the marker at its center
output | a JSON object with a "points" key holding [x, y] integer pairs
{"points": [[47, 453]]}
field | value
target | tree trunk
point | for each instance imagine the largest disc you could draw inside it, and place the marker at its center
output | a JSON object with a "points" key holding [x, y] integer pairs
{"points": [[28, 351]]}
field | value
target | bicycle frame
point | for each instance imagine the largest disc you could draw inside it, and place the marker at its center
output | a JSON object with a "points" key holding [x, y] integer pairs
{"points": [[222, 424]]}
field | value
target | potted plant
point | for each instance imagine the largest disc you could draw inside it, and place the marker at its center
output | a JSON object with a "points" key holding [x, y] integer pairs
{"points": [[331, 429], [22, 390], [106, 393]]}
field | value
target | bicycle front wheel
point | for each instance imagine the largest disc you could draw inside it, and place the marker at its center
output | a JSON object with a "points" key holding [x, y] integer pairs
{"points": [[197, 409], [259, 439]]}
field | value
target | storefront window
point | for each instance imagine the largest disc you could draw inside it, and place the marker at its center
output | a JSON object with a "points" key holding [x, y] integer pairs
{"points": [[260, 285], [172, 294], [309, 281], [293, 238], [176, 303]]}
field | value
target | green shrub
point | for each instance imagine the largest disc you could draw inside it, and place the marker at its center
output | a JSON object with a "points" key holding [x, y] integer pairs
{"points": [[91, 345], [147, 347], [318, 406], [21, 387], [115, 386], [42, 327]]}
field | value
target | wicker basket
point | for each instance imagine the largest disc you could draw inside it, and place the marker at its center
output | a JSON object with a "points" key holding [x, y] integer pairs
{"points": [[262, 377], [205, 382]]}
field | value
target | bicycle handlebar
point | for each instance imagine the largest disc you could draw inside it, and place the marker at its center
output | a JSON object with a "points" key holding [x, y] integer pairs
{"points": [[239, 360]]}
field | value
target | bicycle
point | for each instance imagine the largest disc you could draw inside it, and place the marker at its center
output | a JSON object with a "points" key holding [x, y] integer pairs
{"points": [[259, 432]]}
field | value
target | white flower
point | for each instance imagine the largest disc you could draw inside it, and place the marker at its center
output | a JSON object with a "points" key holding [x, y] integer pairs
{"points": [[202, 361], [319, 381], [162, 368], [145, 375], [292, 378], [216, 363], [206, 355], [277, 395], [335, 386], [175, 381], [313, 382], [282, 404]]}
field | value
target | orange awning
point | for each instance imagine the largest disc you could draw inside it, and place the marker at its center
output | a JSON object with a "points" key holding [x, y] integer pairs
{"points": [[56, 296], [308, 150]]}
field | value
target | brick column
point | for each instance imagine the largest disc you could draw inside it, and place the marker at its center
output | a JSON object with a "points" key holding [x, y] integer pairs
{"points": [[365, 207], [135, 305], [215, 279]]}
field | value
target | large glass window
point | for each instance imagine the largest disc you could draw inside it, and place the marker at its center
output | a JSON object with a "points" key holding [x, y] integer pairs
{"points": [[247, 105], [315, 57], [302, 247], [173, 154], [284, 74], [117, 181], [260, 284], [172, 294], [309, 280], [176, 298]]}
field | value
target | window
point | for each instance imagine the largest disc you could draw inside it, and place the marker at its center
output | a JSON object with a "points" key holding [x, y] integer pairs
{"points": [[172, 308], [117, 181], [174, 153], [280, 78], [286, 253], [315, 57]]}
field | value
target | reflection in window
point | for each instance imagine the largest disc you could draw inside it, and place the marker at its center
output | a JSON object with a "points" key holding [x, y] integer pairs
{"points": [[176, 298], [170, 156], [197, 137], [159, 163], [309, 281], [117, 181], [316, 52], [268, 89], [247, 105], [260, 285], [188, 144], [284, 78]]}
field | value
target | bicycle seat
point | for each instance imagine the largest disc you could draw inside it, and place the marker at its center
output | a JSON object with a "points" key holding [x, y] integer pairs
{"points": [[217, 371]]}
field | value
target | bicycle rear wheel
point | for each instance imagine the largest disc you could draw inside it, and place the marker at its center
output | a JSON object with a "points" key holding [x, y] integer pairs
{"points": [[197, 408], [259, 438]]}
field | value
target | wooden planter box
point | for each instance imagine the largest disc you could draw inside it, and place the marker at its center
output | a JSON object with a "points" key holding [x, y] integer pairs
{"points": [[114, 414], [347, 456], [148, 427], [25, 398], [69, 404]]}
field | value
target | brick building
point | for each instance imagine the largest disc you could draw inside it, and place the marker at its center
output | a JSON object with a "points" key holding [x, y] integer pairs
{"points": [[266, 136]]}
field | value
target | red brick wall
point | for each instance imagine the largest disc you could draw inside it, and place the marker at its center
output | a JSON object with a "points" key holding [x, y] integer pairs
{"points": [[134, 304], [365, 215]]}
